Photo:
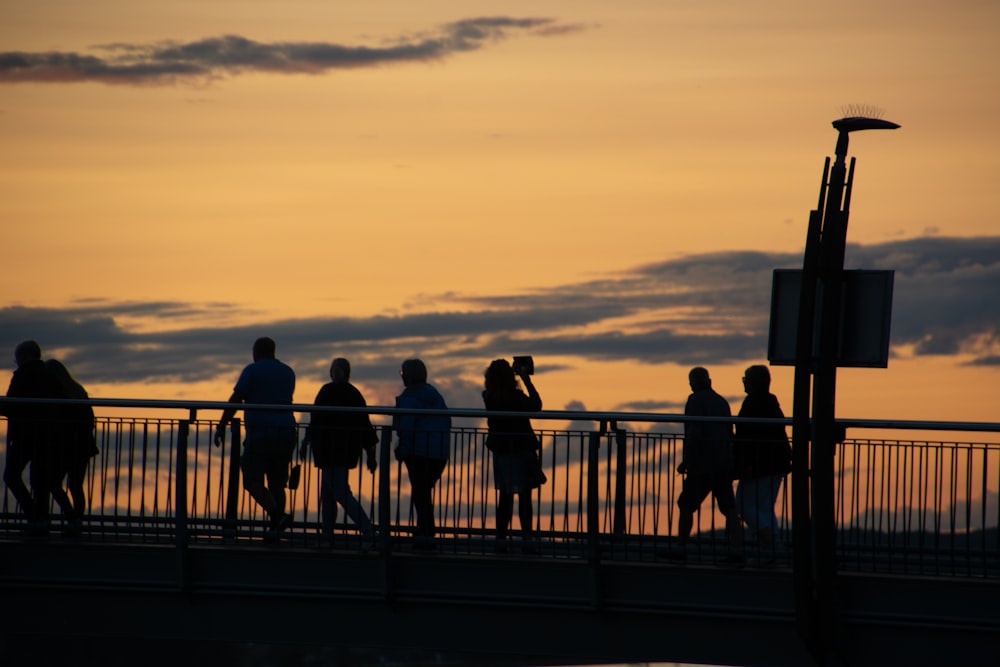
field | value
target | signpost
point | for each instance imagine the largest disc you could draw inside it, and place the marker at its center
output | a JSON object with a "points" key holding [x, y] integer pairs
{"points": [[826, 303]]}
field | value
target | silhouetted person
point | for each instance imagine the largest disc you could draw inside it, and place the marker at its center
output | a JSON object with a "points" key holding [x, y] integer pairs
{"points": [[31, 435], [516, 449], [337, 440], [707, 462], [424, 444], [763, 458], [271, 434], [77, 445]]}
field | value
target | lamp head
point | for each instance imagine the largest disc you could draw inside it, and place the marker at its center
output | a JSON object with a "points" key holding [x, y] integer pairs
{"points": [[858, 117]]}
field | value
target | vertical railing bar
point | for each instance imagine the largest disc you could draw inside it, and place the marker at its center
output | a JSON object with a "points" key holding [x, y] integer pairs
{"points": [[181, 518]]}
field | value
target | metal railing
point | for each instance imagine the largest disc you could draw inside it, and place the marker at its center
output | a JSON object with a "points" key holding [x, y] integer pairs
{"points": [[907, 506]]}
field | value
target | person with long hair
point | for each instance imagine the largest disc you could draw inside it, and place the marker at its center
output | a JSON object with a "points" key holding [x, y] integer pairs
{"points": [[77, 445], [515, 447]]}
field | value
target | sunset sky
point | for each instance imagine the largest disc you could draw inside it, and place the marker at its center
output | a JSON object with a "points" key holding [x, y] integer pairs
{"points": [[605, 185]]}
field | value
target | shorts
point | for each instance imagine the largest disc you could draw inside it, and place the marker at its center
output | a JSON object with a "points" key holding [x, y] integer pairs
{"points": [[697, 487], [268, 456]]}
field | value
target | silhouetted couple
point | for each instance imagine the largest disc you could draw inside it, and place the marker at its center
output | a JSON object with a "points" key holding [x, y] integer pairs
{"points": [[56, 440], [758, 455]]}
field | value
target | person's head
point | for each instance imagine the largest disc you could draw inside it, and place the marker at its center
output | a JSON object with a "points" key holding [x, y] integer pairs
{"points": [[264, 348], [340, 370], [698, 379], [500, 377], [27, 351], [413, 371], [757, 379], [59, 370]]}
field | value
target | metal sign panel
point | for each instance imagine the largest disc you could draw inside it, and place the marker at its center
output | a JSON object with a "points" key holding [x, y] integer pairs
{"points": [[865, 316]]}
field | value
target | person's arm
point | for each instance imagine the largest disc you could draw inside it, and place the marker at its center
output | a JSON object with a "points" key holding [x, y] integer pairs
{"points": [[534, 399], [227, 416]]}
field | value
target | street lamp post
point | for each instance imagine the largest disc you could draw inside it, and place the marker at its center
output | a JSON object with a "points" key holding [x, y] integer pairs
{"points": [[816, 355]]}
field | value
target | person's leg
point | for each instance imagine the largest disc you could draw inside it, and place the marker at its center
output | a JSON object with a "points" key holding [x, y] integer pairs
{"points": [[722, 490], [435, 468], [685, 524], [424, 474], [768, 521], [694, 490], [526, 513], [344, 496], [505, 511], [747, 502], [74, 482], [254, 466], [60, 496], [328, 502], [40, 477], [17, 459], [420, 495], [278, 453]]}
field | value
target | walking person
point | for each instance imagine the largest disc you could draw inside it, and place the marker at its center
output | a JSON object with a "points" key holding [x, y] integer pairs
{"points": [[763, 459], [707, 464], [337, 440], [424, 445], [32, 436], [515, 447], [77, 445], [271, 434]]}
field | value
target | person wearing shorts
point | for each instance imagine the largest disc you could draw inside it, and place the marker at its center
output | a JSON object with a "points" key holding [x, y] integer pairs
{"points": [[707, 463]]}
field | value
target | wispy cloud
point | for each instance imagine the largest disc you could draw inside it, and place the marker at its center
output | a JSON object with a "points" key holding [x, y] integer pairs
{"points": [[231, 55], [708, 308]]}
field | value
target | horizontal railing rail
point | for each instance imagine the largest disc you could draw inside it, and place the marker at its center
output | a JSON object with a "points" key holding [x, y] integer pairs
{"points": [[908, 506]]}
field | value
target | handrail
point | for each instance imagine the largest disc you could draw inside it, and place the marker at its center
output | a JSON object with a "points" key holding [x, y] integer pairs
{"points": [[481, 413], [612, 490]]}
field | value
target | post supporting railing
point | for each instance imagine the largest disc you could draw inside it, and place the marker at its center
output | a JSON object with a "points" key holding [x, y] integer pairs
{"points": [[385, 507], [621, 469], [181, 507], [233, 480]]}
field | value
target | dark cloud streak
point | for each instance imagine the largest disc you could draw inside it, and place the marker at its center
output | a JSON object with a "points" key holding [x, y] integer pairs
{"points": [[231, 55], [704, 309]]}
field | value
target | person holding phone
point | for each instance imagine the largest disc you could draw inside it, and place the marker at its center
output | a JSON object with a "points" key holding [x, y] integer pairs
{"points": [[515, 447]]}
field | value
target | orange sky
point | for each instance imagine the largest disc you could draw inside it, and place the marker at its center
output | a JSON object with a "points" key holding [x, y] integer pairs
{"points": [[626, 134]]}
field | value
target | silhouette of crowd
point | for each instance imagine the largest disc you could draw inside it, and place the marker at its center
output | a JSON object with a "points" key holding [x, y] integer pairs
{"points": [[54, 440]]}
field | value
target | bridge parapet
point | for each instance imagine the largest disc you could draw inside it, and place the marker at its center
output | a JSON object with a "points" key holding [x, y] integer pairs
{"points": [[916, 507]]}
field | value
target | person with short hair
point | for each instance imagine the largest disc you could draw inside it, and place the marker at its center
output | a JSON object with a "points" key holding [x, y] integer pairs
{"points": [[707, 463], [424, 444], [763, 459], [337, 440], [270, 434], [32, 435]]}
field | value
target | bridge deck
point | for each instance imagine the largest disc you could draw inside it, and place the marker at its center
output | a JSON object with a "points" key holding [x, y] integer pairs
{"points": [[250, 603]]}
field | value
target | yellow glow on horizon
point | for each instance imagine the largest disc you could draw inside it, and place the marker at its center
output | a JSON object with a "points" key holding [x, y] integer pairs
{"points": [[653, 131]]}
